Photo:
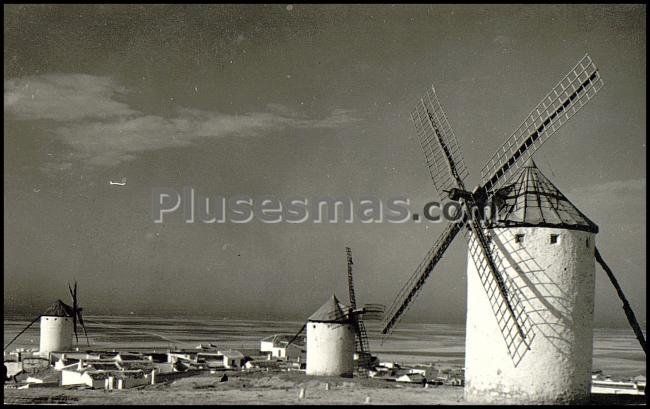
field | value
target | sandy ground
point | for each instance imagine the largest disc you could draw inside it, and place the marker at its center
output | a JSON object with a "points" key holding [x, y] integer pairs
{"points": [[248, 388]]}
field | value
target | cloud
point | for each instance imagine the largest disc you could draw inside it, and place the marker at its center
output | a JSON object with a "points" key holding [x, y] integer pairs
{"points": [[108, 143], [104, 132], [281, 110], [339, 117], [64, 97]]}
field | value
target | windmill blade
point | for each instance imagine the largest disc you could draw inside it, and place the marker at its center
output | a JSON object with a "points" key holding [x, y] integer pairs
{"points": [[512, 319], [83, 326], [566, 98], [297, 334], [353, 298], [75, 310], [626, 305], [73, 294], [362, 346], [439, 144], [362, 335], [21, 332], [414, 284]]}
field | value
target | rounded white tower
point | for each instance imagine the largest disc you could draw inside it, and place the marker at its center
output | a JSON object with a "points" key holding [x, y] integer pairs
{"points": [[545, 247], [330, 341], [56, 329]]}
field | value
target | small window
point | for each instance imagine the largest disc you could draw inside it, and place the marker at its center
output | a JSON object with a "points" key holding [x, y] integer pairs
{"points": [[519, 238], [587, 242], [554, 238]]}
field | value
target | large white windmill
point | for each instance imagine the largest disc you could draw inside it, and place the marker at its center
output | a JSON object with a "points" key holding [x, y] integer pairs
{"points": [[531, 272]]}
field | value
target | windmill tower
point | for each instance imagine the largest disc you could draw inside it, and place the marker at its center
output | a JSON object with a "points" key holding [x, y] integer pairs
{"points": [[56, 329], [330, 340], [544, 248], [530, 306], [58, 323], [336, 333]]}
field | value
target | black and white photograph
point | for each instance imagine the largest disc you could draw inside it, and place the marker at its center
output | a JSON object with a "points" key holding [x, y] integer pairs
{"points": [[324, 204]]}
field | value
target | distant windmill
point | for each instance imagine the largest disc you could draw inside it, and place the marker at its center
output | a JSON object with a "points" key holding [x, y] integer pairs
{"points": [[504, 357], [336, 332], [58, 323]]}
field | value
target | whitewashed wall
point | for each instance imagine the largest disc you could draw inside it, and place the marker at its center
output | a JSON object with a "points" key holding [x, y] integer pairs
{"points": [[557, 291], [56, 334], [330, 349]]}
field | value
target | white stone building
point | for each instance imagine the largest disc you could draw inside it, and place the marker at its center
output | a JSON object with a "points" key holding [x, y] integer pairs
{"points": [[56, 329], [105, 379], [330, 341], [277, 346], [233, 359], [545, 247]]}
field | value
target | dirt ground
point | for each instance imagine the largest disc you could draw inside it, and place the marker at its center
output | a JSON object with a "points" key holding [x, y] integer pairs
{"points": [[248, 388]]}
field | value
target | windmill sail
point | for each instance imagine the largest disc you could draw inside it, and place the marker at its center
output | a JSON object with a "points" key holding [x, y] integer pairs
{"points": [[447, 169], [353, 298], [439, 144], [362, 346], [414, 284], [514, 323], [77, 318], [564, 100], [21, 332], [73, 294], [292, 340]]}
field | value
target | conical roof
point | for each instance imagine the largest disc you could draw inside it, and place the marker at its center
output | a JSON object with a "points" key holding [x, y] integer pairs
{"points": [[532, 200], [59, 309], [331, 311]]}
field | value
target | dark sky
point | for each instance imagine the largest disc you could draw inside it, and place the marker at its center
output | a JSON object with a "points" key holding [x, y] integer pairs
{"points": [[295, 100]]}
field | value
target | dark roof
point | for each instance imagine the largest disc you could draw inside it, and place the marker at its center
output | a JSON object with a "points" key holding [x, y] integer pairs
{"points": [[59, 309], [119, 374], [144, 365], [532, 200], [331, 311], [104, 366], [131, 357]]}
